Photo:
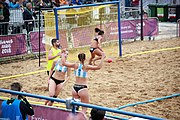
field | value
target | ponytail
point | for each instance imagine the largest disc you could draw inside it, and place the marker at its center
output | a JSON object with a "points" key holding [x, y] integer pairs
{"points": [[97, 30], [101, 32], [82, 57]]}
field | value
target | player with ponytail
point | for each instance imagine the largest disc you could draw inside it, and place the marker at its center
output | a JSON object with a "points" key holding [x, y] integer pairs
{"points": [[80, 89]]}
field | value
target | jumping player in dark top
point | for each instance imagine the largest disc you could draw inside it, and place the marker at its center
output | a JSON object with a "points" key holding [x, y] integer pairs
{"points": [[95, 47]]}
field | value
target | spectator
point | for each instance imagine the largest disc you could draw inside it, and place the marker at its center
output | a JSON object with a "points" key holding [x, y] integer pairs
{"points": [[1, 11], [4, 17], [36, 3], [135, 3], [97, 114], [58, 3], [63, 2], [16, 108], [7, 1], [14, 4], [55, 3], [28, 16], [145, 15], [25, 2], [78, 2], [47, 4]]}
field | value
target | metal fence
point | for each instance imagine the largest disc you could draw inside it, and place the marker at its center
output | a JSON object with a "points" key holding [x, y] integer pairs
{"points": [[17, 25]]}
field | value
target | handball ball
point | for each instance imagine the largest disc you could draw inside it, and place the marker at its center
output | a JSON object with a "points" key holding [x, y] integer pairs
{"points": [[109, 60]]}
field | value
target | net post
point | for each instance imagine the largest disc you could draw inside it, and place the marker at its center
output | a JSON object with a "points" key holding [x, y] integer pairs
{"points": [[142, 12], [56, 23], [119, 28], [39, 36]]}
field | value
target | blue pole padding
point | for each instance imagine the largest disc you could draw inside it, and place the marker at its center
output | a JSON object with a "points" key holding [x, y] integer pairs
{"points": [[86, 5], [116, 111], [82, 104], [56, 23], [116, 117], [32, 95], [119, 28], [148, 101]]}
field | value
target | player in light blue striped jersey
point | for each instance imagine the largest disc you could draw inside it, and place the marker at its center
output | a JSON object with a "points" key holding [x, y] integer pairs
{"points": [[80, 90], [57, 79]]}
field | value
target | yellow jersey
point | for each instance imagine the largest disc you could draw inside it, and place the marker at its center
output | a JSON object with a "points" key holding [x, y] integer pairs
{"points": [[54, 53]]}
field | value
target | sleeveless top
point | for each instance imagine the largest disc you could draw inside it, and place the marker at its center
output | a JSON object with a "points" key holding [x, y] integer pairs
{"points": [[96, 38], [11, 111], [50, 62], [59, 67], [80, 72]]}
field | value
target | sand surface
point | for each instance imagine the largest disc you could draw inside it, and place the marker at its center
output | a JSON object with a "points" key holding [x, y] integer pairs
{"points": [[126, 80]]}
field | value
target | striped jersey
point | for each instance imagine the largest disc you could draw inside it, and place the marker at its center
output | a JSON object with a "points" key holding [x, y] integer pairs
{"points": [[80, 72], [60, 68]]}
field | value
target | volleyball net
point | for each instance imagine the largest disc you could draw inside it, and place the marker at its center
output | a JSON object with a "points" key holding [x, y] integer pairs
{"points": [[76, 25]]}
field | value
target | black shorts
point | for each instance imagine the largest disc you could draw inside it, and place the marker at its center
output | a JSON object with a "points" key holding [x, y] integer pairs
{"points": [[79, 87], [92, 49], [57, 81]]}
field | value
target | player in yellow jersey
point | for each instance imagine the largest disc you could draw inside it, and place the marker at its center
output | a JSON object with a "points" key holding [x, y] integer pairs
{"points": [[53, 54]]}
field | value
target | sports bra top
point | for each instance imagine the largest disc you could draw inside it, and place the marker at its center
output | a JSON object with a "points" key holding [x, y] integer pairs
{"points": [[80, 72], [96, 39], [59, 67]]}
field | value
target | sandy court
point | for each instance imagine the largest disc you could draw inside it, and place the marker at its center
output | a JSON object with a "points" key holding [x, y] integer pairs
{"points": [[126, 80]]}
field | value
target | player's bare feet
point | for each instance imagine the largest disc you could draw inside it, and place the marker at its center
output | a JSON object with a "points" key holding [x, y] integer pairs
{"points": [[46, 102]]}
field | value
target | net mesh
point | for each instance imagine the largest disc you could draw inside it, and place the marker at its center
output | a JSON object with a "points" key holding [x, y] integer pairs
{"points": [[76, 25]]}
